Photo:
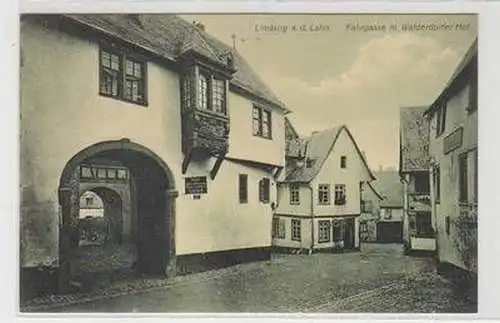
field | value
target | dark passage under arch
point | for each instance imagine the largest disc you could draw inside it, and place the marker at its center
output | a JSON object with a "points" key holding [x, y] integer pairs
{"points": [[152, 195]]}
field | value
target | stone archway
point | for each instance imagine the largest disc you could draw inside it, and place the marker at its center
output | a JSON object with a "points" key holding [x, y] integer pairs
{"points": [[154, 193]]}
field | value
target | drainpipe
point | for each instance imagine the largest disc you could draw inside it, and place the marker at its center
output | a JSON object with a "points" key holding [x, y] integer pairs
{"points": [[433, 204], [406, 207], [312, 221]]}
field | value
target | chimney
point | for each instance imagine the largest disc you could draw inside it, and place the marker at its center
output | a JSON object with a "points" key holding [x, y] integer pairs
{"points": [[199, 25], [135, 18]]}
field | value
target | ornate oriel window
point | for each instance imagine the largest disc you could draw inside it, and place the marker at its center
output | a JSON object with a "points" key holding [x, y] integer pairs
{"points": [[219, 95], [205, 121], [210, 93], [203, 92]]}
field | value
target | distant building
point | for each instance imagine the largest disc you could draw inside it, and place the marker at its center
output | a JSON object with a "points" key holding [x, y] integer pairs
{"points": [[418, 226], [454, 156], [319, 201], [370, 213], [385, 221]]}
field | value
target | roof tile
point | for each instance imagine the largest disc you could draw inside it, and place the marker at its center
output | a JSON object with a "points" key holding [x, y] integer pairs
{"points": [[169, 36], [414, 139]]}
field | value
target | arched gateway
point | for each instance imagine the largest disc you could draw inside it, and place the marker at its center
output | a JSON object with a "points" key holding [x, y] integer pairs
{"points": [[152, 191]]}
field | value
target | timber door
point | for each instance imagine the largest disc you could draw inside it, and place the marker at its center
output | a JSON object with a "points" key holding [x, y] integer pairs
{"points": [[390, 232], [349, 233]]}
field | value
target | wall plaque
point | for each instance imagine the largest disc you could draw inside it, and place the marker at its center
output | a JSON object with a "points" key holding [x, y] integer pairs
{"points": [[196, 185]]}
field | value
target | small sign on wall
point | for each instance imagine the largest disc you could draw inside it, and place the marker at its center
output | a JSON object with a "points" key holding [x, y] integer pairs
{"points": [[453, 141], [196, 185]]}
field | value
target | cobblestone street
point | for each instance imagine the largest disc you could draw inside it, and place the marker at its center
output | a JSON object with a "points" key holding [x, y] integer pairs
{"points": [[377, 279]]}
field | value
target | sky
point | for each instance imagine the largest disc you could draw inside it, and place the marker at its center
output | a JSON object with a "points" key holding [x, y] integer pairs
{"points": [[356, 70]]}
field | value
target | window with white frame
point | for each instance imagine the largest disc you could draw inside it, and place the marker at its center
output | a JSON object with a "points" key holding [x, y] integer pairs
{"points": [[324, 194], [203, 92], [324, 230], [294, 194], [206, 89], [122, 76], [279, 228], [261, 122], [219, 95]]}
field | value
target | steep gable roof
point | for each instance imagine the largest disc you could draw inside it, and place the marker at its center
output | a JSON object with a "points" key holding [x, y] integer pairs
{"points": [[414, 140], [373, 190], [317, 148], [390, 187], [293, 143], [468, 61], [169, 36]]}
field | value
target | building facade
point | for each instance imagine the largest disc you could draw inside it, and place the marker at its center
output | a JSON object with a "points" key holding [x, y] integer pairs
{"points": [[414, 170], [370, 213], [382, 219], [169, 126], [319, 201], [454, 157]]}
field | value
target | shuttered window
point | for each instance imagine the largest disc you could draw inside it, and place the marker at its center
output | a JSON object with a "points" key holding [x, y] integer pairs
{"points": [[264, 190], [243, 188]]}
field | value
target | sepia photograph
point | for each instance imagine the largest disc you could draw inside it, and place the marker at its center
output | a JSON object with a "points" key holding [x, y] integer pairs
{"points": [[248, 163]]}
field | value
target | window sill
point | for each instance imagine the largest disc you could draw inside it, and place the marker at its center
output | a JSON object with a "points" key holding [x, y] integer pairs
{"points": [[424, 236], [471, 110], [210, 113], [262, 137], [143, 104]]}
